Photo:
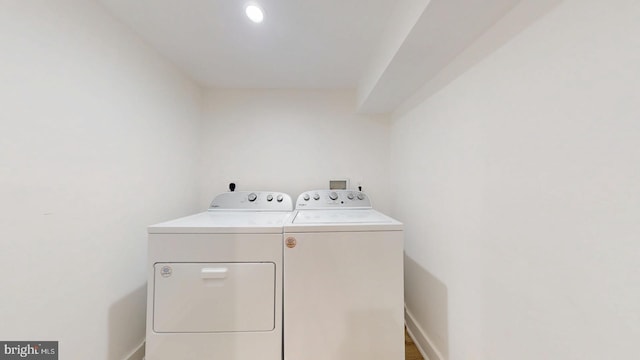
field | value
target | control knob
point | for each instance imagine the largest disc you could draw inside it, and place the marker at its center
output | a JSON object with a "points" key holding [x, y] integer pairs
{"points": [[360, 196], [306, 197], [333, 195], [269, 197], [279, 198], [253, 197], [316, 196], [350, 196]]}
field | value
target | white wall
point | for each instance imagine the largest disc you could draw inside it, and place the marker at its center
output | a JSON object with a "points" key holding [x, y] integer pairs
{"points": [[523, 240], [99, 138], [292, 141]]}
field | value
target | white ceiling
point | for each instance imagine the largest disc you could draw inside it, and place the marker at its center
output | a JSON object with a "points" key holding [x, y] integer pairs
{"points": [[300, 44], [386, 49]]}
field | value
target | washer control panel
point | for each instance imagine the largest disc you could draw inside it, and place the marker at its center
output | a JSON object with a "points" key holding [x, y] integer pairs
{"points": [[252, 201], [330, 199]]}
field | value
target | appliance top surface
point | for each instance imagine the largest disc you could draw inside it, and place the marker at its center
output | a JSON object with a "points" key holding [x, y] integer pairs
{"points": [[225, 222], [252, 201], [341, 220], [338, 210], [339, 216]]}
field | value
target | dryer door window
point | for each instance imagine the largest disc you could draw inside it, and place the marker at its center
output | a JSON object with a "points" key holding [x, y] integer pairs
{"points": [[213, 297]]}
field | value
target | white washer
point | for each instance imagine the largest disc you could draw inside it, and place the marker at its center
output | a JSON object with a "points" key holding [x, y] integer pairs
{"points": [[215, 281], [343, 280]]}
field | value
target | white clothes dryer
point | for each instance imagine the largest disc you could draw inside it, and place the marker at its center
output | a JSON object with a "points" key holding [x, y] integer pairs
{"points": [[215, 281], [343, 280]]}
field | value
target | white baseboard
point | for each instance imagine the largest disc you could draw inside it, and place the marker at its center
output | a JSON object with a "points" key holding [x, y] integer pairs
{"points": [[420, 338], [137, 354]]}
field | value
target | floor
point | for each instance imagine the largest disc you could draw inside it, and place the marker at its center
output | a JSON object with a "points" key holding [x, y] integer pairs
{"points": [[410, 350]]}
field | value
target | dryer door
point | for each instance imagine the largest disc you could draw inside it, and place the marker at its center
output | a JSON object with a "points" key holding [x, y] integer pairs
{"points": [[214, 297]]}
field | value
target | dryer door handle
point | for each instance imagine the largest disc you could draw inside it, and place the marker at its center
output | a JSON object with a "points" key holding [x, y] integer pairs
{"points": [[214, 273]]}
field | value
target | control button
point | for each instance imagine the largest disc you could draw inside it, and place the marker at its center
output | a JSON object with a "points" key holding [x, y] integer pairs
{"points": [[253, 197], [280, 198], [333, 195], [306, 197], [350, 196], [269, 197], [360, 196], [316, 196]]}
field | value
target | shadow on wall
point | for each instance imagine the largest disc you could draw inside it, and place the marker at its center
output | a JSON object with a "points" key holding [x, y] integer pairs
{"points": [[427, 306], [127, 321]]}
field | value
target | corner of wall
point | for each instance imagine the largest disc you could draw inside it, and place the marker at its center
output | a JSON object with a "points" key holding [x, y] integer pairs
{"points": [[420, 337], [138, 353]]}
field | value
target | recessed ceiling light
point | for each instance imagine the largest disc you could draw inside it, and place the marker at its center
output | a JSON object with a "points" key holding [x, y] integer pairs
{"points": [[254, 13]]}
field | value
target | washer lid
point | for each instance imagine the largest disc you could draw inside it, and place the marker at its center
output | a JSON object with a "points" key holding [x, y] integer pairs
{"points": [[224, 222], [341, 217], [341, 220]]}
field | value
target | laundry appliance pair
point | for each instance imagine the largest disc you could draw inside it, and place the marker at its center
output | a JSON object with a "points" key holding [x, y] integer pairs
{"points": [[253, 279]]}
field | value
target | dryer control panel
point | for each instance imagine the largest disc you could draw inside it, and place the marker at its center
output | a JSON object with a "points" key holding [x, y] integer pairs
{"points": [[252, 201], [329, 199]]}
